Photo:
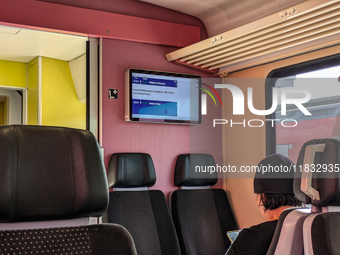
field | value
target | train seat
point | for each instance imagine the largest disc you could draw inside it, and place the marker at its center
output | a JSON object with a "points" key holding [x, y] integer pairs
{"points": [[288, 235], [202, 217], [321, 230], [54, 174], [143, 212]]}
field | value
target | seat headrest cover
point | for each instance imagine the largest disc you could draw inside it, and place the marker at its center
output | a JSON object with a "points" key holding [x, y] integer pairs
{"points": [[129, 170], [325, 182], [50, 173], [275, 179], [192, 170]]}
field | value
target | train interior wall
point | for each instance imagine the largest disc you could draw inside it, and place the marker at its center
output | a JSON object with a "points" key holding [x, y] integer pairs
{"points": [[13, 74], [164, 142], [60, 103]]}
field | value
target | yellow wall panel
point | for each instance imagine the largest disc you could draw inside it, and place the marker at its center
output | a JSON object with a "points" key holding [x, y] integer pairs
{"points": [[13, 73], [60, 104]]}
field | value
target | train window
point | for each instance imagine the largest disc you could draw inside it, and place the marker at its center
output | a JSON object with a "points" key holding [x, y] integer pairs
{"points": [[294, 127]]}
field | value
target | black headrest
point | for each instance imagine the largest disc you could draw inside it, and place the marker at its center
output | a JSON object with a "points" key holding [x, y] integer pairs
{"points": [[324, 180], [50, 173], [193, 170], [128, 170]]}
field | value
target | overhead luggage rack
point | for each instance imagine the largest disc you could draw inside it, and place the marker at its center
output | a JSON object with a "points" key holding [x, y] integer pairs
{"points": [[307, 26]]}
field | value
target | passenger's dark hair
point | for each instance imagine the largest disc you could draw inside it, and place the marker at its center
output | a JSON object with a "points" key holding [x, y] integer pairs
{"points": [[272, 201]]}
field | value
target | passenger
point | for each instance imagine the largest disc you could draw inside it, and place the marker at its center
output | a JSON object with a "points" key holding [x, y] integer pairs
{"points": [[273, 196]]}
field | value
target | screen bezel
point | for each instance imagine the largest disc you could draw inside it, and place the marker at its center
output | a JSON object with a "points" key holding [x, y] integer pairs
{"points": [[164, 121]]}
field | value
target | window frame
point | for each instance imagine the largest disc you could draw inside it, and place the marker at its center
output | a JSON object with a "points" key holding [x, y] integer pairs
{"points": [[308, 66]]}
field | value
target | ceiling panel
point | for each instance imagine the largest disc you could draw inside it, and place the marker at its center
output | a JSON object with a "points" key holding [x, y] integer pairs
{"points": [[23, 45]]}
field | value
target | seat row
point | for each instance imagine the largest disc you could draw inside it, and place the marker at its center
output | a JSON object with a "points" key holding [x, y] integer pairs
{"points": [[200, 218], [201, 222], [53, 181], [53, 187]]}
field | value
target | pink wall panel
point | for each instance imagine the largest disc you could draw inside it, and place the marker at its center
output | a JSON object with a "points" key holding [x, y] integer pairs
{"points": [[89, 4], [137, 8], [163, 142], [145, 10], [56, 17]]}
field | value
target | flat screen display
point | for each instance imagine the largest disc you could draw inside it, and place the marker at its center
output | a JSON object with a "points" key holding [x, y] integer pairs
{"points": [[162, 97]]}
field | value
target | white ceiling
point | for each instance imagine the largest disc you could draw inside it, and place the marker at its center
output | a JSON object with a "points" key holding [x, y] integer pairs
{"points": [[23, 45], [220, 16]]}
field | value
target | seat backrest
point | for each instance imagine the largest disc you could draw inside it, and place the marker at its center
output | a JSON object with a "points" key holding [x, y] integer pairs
{"points": [[288, 236], [323, 186], [202, 217], [143, 212], [321, 234], [54, 173]]}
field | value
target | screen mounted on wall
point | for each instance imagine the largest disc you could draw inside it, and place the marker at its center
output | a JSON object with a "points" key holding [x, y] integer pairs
{"points": [[162, 97]]}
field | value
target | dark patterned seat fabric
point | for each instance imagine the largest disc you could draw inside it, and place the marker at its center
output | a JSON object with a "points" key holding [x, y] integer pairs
{"points": [[144, 213], [100, 239], [321, 231], [202, 217], [54, 174]]}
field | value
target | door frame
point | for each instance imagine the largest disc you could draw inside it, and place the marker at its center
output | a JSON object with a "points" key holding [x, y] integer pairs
{"points": [[24, 103]]}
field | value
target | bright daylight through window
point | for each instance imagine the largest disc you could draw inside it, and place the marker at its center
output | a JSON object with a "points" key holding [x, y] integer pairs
{"points": [[324, 107]]}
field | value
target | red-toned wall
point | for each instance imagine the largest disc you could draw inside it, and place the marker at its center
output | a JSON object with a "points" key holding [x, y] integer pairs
{"points": [[164, 142], [137, 9]]}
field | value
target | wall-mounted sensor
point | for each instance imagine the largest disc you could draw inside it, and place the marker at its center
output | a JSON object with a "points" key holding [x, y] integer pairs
{"points": [[113, 93]]}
